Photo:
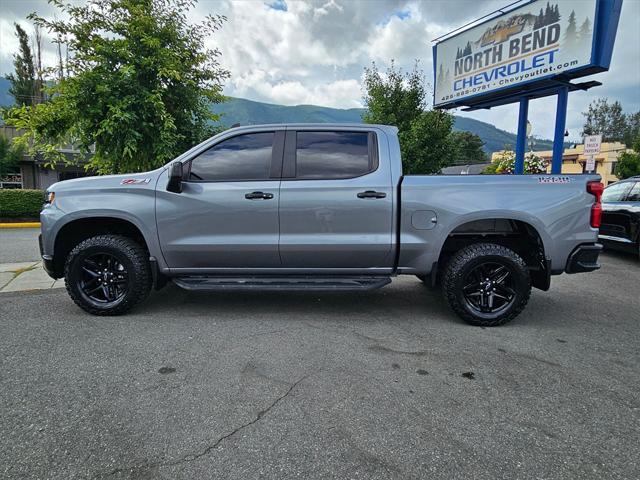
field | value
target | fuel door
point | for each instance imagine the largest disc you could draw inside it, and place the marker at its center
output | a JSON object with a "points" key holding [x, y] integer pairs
{"points": [[424, 219]]}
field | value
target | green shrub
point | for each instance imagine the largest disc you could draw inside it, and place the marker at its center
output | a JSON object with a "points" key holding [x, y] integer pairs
{"points": [[16, 203], [506, 163]]}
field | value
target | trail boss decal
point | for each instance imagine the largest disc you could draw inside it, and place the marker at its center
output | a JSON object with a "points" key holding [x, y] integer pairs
{"points": [[135, 181], [554, 180]]}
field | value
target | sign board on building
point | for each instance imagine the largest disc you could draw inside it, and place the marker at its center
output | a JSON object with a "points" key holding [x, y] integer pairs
{"points": [[592, 144], [541, 40]]}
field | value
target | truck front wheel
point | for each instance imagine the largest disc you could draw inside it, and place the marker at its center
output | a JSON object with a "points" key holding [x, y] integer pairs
{"points": [[487, 284], [108, 274]]}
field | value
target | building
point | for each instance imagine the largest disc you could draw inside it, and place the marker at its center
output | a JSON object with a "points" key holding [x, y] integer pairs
{"points": [[32, 173], [573, 160]]}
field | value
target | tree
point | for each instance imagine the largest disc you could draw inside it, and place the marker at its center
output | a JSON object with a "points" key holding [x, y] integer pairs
{"points": [[10, 156], [140, 87], [628, 164], [632, 129], [428, 146], [548, 13], [468, 148], [23, 81], [584, 35], [39, 86], [399, 98], [571, 34], [605, 119], [396, 99], [539, 21], [441, 75]]}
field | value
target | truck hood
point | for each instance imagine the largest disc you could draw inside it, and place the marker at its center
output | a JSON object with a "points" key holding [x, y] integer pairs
{"points": [[130, 180]]}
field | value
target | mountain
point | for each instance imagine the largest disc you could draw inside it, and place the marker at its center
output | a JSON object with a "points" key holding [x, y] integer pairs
{"points": [[5, 98], [494, 138], [248, 112]]}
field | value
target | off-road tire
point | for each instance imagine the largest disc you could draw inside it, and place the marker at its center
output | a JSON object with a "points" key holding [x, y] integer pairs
{"points": [[468, 258], [134, 257]]}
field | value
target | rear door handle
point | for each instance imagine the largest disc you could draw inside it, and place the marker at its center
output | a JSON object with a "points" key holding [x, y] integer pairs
{"points": [[372, 194], [258, 196]]}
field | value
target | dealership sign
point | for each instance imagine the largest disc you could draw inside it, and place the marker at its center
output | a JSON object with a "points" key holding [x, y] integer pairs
{"points": [[536, 41]]}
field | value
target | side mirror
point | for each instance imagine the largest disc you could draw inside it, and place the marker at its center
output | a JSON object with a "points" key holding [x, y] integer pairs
{"points": [[175, 178]]}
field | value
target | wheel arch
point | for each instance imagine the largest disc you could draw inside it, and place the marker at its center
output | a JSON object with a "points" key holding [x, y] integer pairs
{"points": [[489, 215], [76, 230], [524, 235]]}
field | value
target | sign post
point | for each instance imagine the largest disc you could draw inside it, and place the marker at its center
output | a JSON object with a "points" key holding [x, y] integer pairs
{"points": [[558, 137], [521, 139], [592, 146]]}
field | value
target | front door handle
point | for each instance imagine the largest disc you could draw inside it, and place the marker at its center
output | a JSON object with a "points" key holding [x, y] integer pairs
{"points": [[258, 196], [371, 194]]}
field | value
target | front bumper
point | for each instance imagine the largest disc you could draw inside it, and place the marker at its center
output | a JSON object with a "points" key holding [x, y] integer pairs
{"points": [[584, 259], [47, 260]]}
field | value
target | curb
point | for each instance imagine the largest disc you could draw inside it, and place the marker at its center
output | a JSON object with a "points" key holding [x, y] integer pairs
{"points": [[20, 225]]}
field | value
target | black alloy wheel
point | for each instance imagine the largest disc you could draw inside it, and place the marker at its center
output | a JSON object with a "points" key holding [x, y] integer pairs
{"points": [[108, 274], [104, 278], [486, 284], [488, 287]]}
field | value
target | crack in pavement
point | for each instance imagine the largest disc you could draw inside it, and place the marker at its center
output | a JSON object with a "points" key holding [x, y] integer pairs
{"points": [[191, 457]]}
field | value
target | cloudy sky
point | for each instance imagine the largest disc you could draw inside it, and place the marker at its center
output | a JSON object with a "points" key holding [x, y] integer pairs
{"points": [[313, 52]]}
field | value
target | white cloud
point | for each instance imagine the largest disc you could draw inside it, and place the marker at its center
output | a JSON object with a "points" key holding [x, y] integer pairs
{"points": [[258, 84], [339, 94], [401, 39], [274, 56], [326, 8]]}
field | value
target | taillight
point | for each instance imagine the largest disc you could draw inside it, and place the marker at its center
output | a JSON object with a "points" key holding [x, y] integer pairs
{"points": [[596, 215], [596, 189]]}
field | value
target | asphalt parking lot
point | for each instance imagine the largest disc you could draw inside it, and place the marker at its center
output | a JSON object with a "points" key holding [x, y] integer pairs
{"points": [[19, 245], [386, 384]]}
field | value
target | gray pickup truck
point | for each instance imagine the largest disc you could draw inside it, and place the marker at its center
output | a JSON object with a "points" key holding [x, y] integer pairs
{"points": [[317, 207]]}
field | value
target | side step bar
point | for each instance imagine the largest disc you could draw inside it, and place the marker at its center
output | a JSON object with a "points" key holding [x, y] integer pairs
{"points": [[315, 283]]}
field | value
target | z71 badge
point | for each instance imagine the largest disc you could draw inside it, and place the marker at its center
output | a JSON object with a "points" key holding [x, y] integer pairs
{"points": [[554, 180], [135, 181]]}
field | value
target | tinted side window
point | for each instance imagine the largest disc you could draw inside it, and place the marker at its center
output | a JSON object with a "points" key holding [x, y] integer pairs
{"points": [[615, 192], [244, 157], [333, 154], [634, 194]]}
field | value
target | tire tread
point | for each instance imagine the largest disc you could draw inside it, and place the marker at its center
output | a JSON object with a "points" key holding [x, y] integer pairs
{"points": [[455, 269], [139, 288]]}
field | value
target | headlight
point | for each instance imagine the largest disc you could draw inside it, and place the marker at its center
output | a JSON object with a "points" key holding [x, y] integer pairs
{"points": [[50, 198]]}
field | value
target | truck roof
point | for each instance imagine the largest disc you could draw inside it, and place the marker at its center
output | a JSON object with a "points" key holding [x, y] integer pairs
{"points": [[389, 128]]}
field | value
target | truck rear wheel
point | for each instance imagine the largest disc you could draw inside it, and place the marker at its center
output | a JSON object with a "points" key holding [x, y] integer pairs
{"points": [[487, 284], [108, 274]]}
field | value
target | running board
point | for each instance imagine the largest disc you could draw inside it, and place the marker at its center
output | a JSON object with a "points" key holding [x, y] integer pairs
{"points": [[341, 283]]}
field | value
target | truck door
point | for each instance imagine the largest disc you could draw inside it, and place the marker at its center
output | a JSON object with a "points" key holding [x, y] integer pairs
{"points": [[336, 200], [227, 213]]}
